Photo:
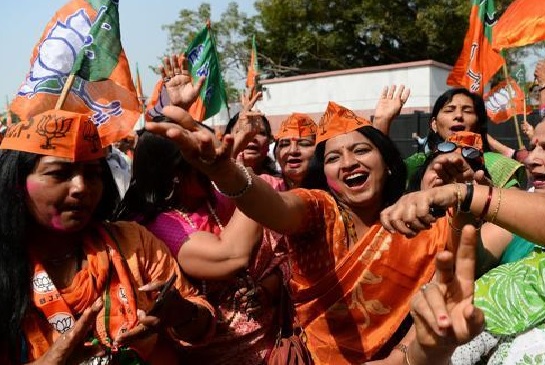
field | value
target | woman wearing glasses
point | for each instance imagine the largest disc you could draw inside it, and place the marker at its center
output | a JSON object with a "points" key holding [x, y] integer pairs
{"points": [[459, 110]]}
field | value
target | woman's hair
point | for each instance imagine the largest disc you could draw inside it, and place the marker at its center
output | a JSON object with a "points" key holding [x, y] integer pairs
{"points": [[15, 270], [395, 180], [415, 181], [268, 165], [480, 111], [157, 162]]}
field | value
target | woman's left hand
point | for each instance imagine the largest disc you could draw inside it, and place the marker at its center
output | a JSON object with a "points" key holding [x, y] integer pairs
{"points": [[389, 106], [443, 310], [452, 167]]}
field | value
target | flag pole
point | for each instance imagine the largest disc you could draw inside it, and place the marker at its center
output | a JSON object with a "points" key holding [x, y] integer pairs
{"points": [[511, 104], [65, 91]]}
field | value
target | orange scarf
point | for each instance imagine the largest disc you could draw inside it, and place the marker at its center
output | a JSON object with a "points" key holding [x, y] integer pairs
{"points": [[106, 275]]}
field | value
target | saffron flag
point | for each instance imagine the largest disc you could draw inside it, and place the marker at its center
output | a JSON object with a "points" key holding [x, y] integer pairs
{"points": [[82, 39], [478, 62], [504, 101], [203, 60], [253, 68], [522, 23]]}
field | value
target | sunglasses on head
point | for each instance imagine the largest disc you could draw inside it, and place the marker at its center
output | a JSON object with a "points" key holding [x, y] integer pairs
{"points": [[469, 153]]}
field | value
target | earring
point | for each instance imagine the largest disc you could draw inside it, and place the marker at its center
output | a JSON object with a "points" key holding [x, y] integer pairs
{"points": [[175, 182], [389, 172]]}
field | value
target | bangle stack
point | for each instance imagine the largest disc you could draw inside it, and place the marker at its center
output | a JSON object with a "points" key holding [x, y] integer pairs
{"points": [[241, 192]]}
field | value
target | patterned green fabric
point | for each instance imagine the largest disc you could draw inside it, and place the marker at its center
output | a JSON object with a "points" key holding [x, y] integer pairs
{"points": [[505, 172], [512, 296]]}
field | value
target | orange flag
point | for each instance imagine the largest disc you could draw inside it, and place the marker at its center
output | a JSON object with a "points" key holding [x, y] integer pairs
{"points": [[253, 67], [82, 39], [478, 62], [522, 23], [504, 101]]}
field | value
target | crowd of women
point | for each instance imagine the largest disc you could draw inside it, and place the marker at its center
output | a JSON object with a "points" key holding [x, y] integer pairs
{"points": [[436, 259]]}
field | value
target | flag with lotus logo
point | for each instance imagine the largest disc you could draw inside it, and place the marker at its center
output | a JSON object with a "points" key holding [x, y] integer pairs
{"points": [[82, 39], [504, 101], [478, 62], [203, 60]]}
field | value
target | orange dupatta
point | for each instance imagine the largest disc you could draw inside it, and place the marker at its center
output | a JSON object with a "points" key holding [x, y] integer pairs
{"points": [[350, 303], [106, 275]]}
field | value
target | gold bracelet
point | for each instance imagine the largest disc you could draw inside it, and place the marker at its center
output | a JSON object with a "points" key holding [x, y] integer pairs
{"points": [[458, 198], [497, 209], [405, 349]]}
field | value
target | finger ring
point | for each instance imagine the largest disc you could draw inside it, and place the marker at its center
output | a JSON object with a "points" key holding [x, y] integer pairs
{"points": [[207, 161], [176, 73], [166, 79], [424, 287]]}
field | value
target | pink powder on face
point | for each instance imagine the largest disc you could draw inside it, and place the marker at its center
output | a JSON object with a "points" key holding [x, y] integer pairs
{"points": [[334, 185], [56, 221], [32, 186]]}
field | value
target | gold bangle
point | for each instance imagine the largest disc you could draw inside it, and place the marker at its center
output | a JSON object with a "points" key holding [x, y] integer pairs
{"points": [[458, 198], [405, 349], [497, 209]]}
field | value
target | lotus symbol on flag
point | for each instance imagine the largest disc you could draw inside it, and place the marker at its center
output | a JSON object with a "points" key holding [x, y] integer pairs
{"points": [[55, 59]]}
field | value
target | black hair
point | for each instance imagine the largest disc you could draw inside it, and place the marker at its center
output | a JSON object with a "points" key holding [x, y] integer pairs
{"points": [[416, 179], [480, 112], [157, 162], [268, 165], [395, 181], [15, 270]]}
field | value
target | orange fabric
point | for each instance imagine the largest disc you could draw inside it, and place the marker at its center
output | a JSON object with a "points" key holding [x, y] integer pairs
{"points": [[338, 120], [297, 125], [504, 101], [467, 139], [115, 106], [56, 133], [251, 77], [478, 62], [147, 260], [521, 24], [350, 303]]}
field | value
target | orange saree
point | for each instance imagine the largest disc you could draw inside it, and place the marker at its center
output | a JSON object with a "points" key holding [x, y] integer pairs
{"points": [[350, 303]]}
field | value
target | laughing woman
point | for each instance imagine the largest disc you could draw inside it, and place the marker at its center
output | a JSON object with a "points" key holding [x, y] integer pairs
{"points": [[351, 280]]}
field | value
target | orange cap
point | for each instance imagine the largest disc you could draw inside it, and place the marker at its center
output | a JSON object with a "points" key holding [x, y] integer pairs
{"points": [[56, 133], [297, 125], [467, 139], [338, 120]]}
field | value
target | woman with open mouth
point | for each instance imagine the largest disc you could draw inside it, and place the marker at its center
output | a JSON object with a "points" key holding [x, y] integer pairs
{"points": [[351, 280]]}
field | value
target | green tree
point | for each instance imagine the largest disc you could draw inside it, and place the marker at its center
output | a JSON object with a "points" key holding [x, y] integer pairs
{"points": [[233, 36]]}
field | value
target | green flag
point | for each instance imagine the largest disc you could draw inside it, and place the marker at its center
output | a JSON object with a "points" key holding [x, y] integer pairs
{"points": [[203, 60]]}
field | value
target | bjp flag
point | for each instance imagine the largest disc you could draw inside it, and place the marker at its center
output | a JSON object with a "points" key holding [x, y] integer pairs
{"points": [[478, 62], [203, 60], [82, 39], [522, 23], [504, 101]]}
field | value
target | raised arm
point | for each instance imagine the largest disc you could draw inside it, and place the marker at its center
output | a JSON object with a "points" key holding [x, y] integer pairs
{"points": [[389, 106], [282, 212], [207, 256]]}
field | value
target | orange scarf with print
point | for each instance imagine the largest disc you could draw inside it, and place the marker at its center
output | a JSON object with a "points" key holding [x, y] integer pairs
{"points": [[55, 311], [351, 312]]}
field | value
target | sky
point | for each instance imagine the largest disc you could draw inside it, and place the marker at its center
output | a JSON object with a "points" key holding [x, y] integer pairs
{"points": [[144, 41]]}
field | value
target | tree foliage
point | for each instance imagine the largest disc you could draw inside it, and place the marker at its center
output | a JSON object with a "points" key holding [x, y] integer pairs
{"points": [[305, 36]]}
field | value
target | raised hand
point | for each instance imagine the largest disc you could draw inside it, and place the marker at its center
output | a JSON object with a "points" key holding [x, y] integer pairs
{"points": [[443, 310], [198, 145], [178, 83], [70, 348], [389, 106]]}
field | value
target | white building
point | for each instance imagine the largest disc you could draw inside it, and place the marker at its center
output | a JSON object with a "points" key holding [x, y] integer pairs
{"points": [[357, 89]]}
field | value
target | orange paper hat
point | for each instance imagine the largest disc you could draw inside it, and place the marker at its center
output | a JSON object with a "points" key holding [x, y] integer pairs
{"points": [[56, 133], [296, 126], [467, 139], [338, 120]]}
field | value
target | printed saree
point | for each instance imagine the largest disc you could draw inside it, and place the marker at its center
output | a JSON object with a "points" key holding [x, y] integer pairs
{"points": [[351, 303]]}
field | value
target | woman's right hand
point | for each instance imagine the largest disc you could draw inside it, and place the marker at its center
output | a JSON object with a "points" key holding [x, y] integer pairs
{"points": [[69, 348]]}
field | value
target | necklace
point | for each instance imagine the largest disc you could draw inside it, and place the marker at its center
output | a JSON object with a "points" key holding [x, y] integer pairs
{"points": [[192, 224]]}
